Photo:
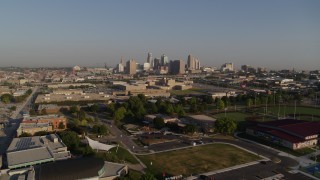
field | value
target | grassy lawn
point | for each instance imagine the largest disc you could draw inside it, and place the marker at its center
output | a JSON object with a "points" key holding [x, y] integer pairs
{"points": [[186, 92], [118, 156], [291, 109], [196, 160], [238, 116]]}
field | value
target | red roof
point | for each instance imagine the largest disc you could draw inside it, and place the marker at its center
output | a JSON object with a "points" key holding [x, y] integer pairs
{"points": [[289, 129]]}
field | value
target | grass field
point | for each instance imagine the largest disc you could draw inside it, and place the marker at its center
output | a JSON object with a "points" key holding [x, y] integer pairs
{"points": [[285, 110], [238, 116], [196, 160], [118, 156]]}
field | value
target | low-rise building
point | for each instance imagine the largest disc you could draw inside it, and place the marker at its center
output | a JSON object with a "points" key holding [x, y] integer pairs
{"points": [[28, 151], [290, 133], [166, 119], [49, 108], [45, 123], [203, 121]]}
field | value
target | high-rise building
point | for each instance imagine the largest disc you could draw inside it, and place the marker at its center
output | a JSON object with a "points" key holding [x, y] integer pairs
{"points": [[177, 67], [149, 59], [193, 63], [156, 63], [190, 62], [164, 60], [120, 68], [131, 67]]}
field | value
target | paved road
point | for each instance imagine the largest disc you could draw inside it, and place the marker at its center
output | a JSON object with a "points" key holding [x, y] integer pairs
{"points": [[10, 131], [120, 136]]}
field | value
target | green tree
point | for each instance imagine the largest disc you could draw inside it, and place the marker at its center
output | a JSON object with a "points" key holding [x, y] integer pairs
{"points": [[41, 133], [153, 108], [73, 109], [95, 129], [119, 114], [25, 134], [226, 125], [169, 110], [158, 122], [70, 139], [220, 104], [190, 128], [179, 110], [249, 102], [111, 108], [61, 125], [32, 112], [94, 108], [7, 98], [103, 130], [13, 108], [84, 122], [81, 115], [44, 111]]}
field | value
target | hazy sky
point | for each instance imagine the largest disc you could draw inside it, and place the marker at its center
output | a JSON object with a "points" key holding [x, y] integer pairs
{"points": [[270, 33]]}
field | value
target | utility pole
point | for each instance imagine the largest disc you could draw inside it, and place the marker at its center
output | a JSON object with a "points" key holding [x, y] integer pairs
{"points": [[295, 109]]}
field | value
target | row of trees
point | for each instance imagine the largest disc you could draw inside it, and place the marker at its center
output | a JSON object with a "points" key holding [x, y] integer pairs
{"points": [[138, 106], [8, 98]]}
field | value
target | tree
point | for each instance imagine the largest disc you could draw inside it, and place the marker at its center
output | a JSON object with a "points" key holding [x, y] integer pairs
{"points": [[103, 130], [158, 122], [190, 128], [111, 108], [70, 139], [73, 109], [225, 125], [13, 108], [94, 108], [84, 122], [193, 108], [32, 112], [249, 102], [153, 108], [44, 111], [41, 133], [119, 114], [81, 115], [95, 129], [220, 104], [61, 125], [25, 134], [179, 110], [208, 99], [169, 109], [7, 98]]}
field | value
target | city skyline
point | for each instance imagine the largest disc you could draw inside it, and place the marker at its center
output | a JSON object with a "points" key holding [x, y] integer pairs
{"points": [[271, 34]]}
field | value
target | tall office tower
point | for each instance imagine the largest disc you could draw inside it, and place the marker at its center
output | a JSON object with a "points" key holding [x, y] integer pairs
{"points": [[177, 67], [120, 68], [198, 64], [122, 62], [164, 60], [131, 67], [156, 63], [191, 62], [149, 58]]}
